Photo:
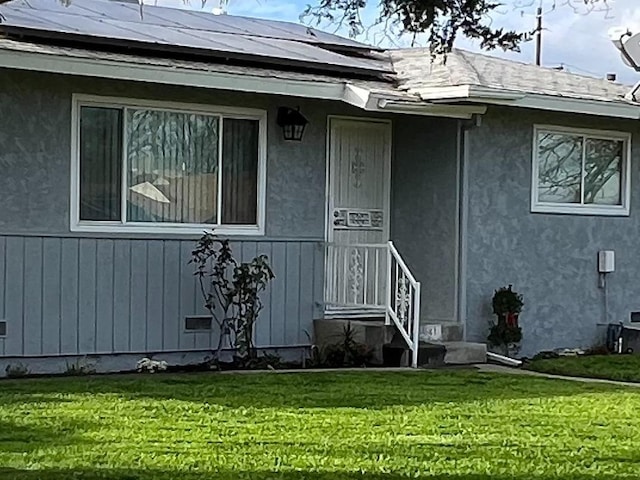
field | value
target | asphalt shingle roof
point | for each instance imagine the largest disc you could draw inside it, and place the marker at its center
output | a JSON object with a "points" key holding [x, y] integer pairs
{"points": [[416, 73]]}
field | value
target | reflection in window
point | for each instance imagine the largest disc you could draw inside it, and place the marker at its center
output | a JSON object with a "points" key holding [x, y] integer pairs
{"points": [[179, 167], [579, 169], [559, 168], [172, 161]]}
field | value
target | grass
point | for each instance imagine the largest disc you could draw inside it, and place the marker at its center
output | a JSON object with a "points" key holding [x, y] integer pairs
{"points": [[612, 367], [458, 425]]}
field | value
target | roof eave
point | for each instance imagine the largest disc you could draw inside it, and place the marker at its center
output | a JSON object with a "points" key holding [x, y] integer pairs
{"points": [[495, 96], [113, 69]]}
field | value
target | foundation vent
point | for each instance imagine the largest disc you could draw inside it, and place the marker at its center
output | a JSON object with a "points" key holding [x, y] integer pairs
{"points": [[198, 323]]}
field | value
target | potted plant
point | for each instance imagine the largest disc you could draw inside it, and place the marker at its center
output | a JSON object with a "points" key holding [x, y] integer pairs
{"points": [[505, 334]]}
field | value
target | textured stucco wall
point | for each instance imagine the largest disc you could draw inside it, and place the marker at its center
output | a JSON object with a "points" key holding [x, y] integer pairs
{"points": [[551, 259], [65, 295], [35, 157], [425, 209]]}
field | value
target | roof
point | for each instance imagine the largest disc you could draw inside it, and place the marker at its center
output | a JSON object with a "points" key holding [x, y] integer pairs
{"points": [[459, 85], [419, 74], [117, 25]]}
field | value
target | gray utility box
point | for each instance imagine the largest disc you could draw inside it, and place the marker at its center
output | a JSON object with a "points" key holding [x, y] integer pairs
{"points": [[631, 339]]}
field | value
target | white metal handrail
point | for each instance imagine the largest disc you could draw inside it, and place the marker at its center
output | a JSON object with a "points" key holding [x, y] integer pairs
{"points": [[403, 308], [375, 277]]}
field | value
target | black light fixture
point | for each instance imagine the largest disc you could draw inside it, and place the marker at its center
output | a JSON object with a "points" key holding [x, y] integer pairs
{"points": [[292, 122]]}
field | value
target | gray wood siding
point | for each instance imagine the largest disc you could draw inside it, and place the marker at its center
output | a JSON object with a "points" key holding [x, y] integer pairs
{"points": [[64, 296]]}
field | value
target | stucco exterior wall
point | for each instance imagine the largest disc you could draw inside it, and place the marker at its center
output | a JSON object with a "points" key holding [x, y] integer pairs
{"points": [[66, 293], [551, 259], [35, 136], [70, 293], [424, 207]]}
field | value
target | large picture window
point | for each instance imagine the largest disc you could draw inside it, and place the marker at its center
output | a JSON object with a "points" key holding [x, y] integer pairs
{"points": [[580, 171], [148, 167]]}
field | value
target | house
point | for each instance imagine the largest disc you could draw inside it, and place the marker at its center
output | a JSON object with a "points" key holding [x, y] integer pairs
{"points": [[122, 138]]}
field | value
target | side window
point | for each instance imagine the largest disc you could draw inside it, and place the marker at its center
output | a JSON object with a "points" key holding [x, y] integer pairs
{"points": [[580, 171]]}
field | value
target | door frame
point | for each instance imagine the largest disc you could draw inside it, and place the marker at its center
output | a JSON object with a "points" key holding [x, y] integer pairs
{"points": [[329, 162]]}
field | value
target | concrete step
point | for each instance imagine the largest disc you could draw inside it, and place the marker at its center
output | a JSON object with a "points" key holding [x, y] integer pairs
{"points": [[386, 341], [465, 353], [441, 332]]}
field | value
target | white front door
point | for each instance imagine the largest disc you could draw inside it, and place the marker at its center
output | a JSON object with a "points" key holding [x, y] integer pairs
{"points": [[358, 212]]}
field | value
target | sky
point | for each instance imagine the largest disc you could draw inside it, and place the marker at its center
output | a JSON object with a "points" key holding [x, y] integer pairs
{"points": [[578, 41]]}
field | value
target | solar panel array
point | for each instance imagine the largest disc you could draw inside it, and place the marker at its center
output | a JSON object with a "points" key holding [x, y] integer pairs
{"points": [[107, 22]]}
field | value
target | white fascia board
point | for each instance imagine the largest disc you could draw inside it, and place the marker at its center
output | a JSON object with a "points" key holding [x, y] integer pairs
{"points": [[357, 96], [463, 112], [493, 96], [383, 102], [577, 105], [104, 68]]}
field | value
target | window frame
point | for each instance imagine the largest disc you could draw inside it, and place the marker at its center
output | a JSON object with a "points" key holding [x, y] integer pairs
{"points": [[165, 228], [584, 209]]}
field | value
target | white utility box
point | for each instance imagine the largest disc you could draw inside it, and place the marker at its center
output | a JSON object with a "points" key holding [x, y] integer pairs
{"points": [[606, 261]]}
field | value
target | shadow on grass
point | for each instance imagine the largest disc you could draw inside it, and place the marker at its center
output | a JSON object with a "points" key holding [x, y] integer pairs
{"points": [[19, 438], [108, 474], [301, 390]]}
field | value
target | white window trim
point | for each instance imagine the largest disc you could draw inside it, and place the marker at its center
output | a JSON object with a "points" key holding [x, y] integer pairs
{"points": [[77, 225], [590, 209]]}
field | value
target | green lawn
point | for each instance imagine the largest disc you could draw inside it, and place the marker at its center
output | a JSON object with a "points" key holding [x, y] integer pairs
{"points": [[318, 426], [613, 367]]}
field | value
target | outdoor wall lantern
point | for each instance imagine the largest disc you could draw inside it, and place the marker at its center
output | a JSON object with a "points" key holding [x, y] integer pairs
{"points": [[292, 122]]}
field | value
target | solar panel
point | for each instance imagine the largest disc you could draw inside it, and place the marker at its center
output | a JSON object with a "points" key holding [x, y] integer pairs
{"points": [[192, 19], [105, 22]]}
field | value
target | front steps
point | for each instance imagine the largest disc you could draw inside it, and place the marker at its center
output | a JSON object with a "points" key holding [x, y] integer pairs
{"points": [[465, 353], [390, 349]]}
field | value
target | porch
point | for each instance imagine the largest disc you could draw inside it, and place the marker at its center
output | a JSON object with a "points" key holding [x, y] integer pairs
{"points": [[392, 230]]}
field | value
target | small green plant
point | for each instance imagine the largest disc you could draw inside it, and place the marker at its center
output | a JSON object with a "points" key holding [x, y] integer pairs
{"points": [[505, 333], [231, 292], [80, 367], [17, 370], [345, 353], [266, 361]]}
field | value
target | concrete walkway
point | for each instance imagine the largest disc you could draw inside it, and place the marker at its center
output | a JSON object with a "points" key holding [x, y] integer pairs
{"points": [[491, 368]]}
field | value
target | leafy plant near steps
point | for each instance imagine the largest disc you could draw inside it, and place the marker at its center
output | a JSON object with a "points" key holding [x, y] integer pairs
{"points": [[348, 352], [231, 291]]}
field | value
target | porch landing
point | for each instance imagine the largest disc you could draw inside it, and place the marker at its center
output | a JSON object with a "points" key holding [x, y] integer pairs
{"points": [[373, 332]]}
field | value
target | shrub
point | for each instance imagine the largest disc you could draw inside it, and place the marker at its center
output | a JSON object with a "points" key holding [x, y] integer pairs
{"points": [[231, 291], [505, 333]]}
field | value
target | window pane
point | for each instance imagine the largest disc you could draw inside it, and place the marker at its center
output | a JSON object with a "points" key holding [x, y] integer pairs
{"points": [[559, 168], [100, 163], [603, 172], [239, 171], [172, 167]]}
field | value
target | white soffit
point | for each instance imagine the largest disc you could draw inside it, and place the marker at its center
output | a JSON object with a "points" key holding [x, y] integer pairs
{"points": [[435, 101], [490, 96]]}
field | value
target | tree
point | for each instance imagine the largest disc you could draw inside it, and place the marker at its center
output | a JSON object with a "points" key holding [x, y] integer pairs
{"points": [[442, 20]]}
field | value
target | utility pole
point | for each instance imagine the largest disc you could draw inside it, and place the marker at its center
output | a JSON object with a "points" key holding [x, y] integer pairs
{"points": [[539, 36]]}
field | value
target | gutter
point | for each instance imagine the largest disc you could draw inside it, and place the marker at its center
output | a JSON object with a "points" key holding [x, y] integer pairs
{"points": [[338, 90], [176, 75], [435, 101], [496, 96]]}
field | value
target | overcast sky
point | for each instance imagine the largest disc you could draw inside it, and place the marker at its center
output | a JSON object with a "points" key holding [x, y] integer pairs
{"points": [[579, 41]]}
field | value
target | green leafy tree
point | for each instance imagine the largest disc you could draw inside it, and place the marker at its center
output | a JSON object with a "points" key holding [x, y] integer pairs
{"points": [[441, 20]]}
